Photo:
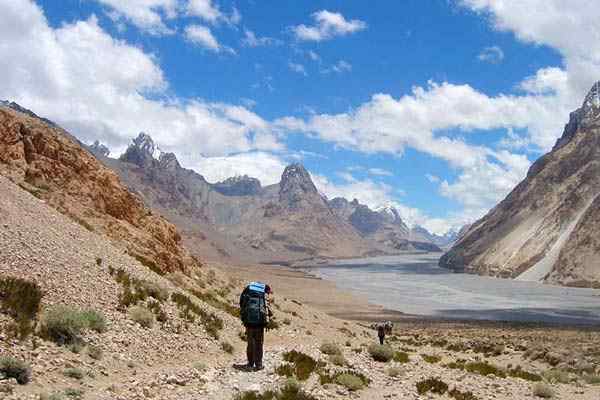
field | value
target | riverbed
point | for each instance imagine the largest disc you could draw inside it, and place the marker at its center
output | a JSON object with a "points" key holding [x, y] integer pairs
{"points": [[414, 284]]}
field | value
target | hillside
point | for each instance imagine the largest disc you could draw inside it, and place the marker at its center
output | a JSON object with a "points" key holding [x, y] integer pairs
{"points": [[546, 228]]}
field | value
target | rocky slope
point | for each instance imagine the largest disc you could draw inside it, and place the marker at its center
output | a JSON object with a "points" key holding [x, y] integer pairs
{"points": [[46, 161], [546, 228]]}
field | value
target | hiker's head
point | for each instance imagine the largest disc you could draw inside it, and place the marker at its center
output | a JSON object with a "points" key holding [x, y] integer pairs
{"points": [[268, 289]]}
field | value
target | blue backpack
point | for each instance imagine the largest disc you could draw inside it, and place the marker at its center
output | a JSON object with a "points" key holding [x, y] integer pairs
{"points": [[254, 305]]}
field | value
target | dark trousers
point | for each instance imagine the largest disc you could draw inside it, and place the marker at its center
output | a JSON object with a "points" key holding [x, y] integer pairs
{"points": [[255, 337], [381, 339]]}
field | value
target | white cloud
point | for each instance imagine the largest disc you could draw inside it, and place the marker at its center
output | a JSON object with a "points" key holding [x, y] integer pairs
{"points": [[298, 68], [491, 54], [327, 26], [211, 13], [432, 178], [313, 55], [96, 87], [147, 15], [251, 40], [339, 67], [265, 167], [202, 36], [380, 172]]}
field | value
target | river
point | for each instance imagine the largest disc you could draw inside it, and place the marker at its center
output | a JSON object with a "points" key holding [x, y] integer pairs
{"points": [[414, 284]]}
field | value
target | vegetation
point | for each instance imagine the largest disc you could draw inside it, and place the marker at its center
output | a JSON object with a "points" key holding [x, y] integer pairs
{"points": [[212, 299], [401, 357], [543, 390], [350, 381], [520, 373], [21, 299], [13, 368], [484, 369], [381, 353], [330, 349], [64, 324], [591, 379], [190, 310], [337, 359], [285, 369], [272, 324], [74, 393], [304, 365], [142, 316], [148, 263], [394, 372], [431, 359], [291, 390], [325, 377], [137, 290], [433, 385], [556, 376], [95, 352]]}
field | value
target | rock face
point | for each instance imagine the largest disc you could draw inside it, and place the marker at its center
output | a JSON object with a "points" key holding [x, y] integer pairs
{"points": [[547, 227], [239, 186], [50, 164]]}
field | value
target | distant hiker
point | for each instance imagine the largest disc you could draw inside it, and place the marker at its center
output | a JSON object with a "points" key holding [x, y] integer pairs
{"points": [[383, 329], [255, 313]]}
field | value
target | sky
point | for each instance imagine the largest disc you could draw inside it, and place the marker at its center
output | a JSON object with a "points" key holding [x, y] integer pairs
{"points": [[436, 107]]}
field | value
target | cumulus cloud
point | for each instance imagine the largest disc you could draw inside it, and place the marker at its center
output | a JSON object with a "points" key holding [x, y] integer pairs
{"points": [[491, 54], [211, 13], [327, 25], [251, 40], [147, 15], [340, 67], [202, 36], [380, 172], [101, 88]]}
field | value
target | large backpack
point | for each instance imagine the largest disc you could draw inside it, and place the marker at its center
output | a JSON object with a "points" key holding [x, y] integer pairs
{"points": [[254, 305]]}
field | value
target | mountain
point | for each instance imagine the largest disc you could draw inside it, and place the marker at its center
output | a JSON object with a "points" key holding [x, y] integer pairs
{"points": [[546, 229], [420, 233], [49, 163]]}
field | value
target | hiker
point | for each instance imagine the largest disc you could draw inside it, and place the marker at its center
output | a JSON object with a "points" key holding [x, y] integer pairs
{"points": [[383, 329], [255, 313], [381, 332]]}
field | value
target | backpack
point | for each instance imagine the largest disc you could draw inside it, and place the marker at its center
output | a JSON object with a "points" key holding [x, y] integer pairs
{"points": [[254, 305]]}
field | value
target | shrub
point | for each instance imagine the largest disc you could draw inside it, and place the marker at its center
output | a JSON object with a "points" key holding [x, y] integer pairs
{"points": [[330, 349], [227, 347], [63, 324], [401, 357], [74, 393], [556, 376], [528, 376], [431, 359], [94, 320], [433, 385], [285, 370], [350, 382], [287, 321], [74, 373], [304, 365], [95, 352], [591, 379], [156, 308], [394, 372], [381, 353], [187, 308], [142, 316], [200, 366], [149, 264], [458, 395], [543, 390], [483, 368], [21, 299], [272, 324], [337, 359], [13, 368]]}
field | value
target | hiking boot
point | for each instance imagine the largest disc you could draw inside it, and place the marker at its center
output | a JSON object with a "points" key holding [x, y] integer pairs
{"points": [[259, 368]]}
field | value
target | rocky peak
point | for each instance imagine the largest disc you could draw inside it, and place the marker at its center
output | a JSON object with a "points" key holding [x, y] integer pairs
{"points": [[168, 161], [99, 149], [141, 152], [17, 107], [297, 188], [585, 116], [238, 186], [391, 214]]}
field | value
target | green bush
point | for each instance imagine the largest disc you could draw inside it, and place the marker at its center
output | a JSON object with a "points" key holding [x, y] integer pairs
{"points": [[304, 365], [401, 357], [381, 353], [94, 320], [394, 372], [330, 349], [13, 368], [63, 324], [591, 379], [433, 385], [484, 369], [74, 373], [337, 359], [21, 299], [431, 359], [528, 376], [285, 370], [188, 309], [74, 393], [458, 395], [542, 390], [350, 382], [142, 316]]}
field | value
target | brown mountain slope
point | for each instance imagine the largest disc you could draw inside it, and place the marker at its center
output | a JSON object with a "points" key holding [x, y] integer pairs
{"points": [[52, 165], [546, 228]]}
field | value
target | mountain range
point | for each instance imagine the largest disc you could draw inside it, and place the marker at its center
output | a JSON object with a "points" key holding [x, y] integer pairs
{"points": [[547, 228], [240, 219]]}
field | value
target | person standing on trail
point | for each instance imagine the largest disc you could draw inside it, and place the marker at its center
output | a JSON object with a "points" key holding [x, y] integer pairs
{"points": [[255, 313], [381, 332]]}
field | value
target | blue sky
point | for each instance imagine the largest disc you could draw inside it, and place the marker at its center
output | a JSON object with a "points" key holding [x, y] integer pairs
{"points": [[436, 107]]}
